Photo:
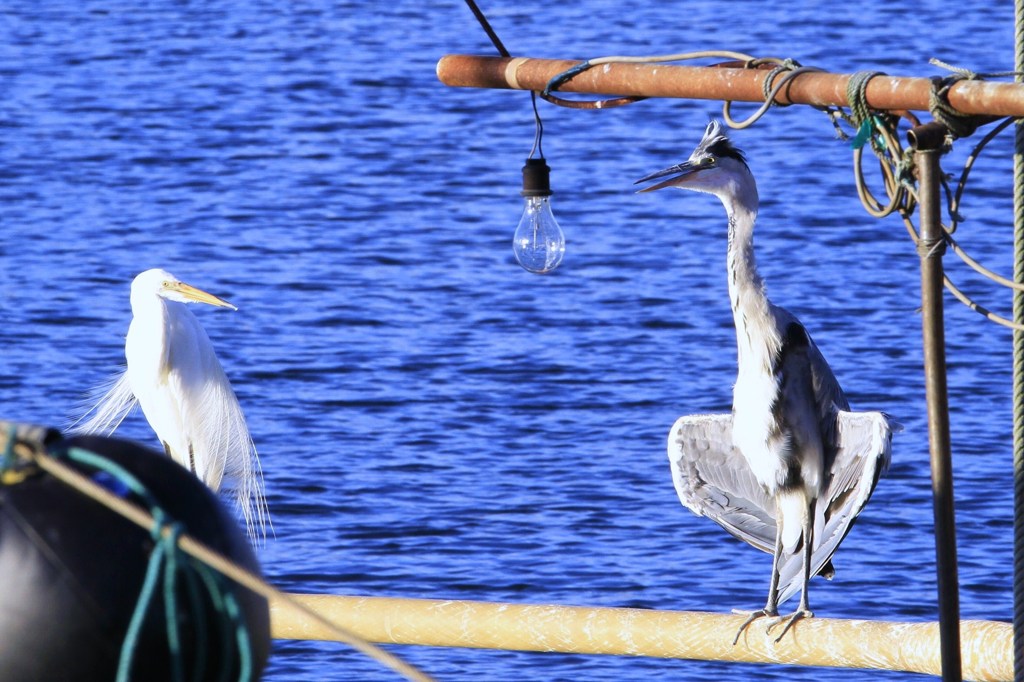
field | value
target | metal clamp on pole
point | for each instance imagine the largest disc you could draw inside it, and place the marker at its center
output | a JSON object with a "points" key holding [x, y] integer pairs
{"points": [[929, 142]]}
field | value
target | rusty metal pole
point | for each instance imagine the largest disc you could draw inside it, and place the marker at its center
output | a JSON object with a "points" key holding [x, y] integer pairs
{"points": [[928, 142], [724, 83]]}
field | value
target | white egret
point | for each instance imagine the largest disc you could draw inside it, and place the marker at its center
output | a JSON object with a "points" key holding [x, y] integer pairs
{"points": [[174, 374], [791, 467]]}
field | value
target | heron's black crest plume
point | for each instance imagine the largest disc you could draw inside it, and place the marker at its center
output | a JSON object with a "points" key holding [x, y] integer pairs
{"points": [[715, 143]]}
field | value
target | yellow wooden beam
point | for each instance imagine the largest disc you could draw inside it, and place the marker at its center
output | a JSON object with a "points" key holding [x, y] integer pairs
{"points": [[880, 645]]}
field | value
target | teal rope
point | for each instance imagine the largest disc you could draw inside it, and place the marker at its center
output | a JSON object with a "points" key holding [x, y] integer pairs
{"points": [[218, 603], [199, 618], [165, 559], [564, 77], [561, 79], [866, 122], [163, 555], [224, 601], [131, 638], [123, 476], [9, 458], [168, 545], [241, 638]]}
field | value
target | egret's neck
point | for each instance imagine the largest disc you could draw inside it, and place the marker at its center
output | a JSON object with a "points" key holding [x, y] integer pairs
{"points": [[146, 344]]}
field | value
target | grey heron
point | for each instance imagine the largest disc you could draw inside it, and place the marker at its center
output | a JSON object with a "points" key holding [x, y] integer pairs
{"points": [[791, 467]]}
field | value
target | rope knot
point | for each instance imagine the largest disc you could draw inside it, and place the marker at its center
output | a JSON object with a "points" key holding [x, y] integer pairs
{"points": [[958, 125], [866, 122], [932, 248], [767, 86]]}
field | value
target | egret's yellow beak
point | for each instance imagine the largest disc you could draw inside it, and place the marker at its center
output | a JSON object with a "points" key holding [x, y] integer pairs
{"points": [[197, 295]]}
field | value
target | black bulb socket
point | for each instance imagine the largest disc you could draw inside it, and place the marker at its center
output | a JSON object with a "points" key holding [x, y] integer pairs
{"points": [[536, 179]]}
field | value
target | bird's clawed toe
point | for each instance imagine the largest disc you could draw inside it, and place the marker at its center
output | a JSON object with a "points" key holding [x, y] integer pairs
{"points": [[751, 617], [775, 621], [789, 621]]}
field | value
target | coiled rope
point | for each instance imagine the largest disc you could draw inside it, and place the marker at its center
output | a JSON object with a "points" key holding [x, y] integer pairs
{"points": [[788, 69], [959, 125], [896, 167]]}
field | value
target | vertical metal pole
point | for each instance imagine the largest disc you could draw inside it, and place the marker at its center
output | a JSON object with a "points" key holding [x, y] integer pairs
{"points": [[928, 141], [1018, 367]]}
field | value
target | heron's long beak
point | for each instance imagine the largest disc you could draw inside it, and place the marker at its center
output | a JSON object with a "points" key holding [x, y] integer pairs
{"points": [[680, 173], [198, 295]]}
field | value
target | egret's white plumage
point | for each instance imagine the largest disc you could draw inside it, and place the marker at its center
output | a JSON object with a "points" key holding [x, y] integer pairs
{"points": [[791, 467], [175, 376]]}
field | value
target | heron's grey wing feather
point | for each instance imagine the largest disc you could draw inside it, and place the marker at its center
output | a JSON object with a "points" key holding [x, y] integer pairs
{"points": [[712, 479], [860, 453]]}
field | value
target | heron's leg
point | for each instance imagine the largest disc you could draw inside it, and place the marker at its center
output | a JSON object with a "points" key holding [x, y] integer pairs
{"points": [[771, 607], [804, 610], [191, 458]]}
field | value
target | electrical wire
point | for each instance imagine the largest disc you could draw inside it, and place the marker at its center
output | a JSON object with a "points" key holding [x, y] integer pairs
{"points": [[879, 128], [538, 136]]}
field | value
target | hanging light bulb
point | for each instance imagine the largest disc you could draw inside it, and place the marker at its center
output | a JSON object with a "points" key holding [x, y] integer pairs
{"points": [[539, 243]]}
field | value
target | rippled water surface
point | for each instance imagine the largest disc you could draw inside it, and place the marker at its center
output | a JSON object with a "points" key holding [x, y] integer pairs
{"points": [[434, 421]]}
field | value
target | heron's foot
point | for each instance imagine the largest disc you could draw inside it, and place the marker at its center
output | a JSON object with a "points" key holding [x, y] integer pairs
{"points": [[751, 617], [789, 621]]}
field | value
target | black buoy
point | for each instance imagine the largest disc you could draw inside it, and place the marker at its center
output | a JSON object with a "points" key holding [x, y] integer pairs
{"points": [[71, 572]]}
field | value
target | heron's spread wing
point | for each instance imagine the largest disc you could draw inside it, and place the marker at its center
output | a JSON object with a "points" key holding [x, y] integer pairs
{"points": [[712, 479], [859, 454], [109, 410]]}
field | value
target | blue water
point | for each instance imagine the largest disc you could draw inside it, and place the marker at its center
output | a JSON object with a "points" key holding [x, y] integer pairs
{"points": [[433, 421]]}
